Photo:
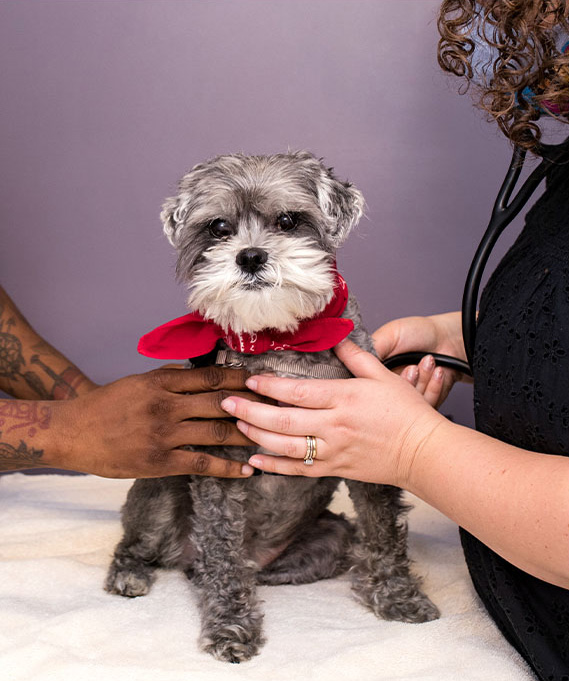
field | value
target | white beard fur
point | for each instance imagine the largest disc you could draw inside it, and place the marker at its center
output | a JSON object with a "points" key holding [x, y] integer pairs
{"points": [[297, 283]]}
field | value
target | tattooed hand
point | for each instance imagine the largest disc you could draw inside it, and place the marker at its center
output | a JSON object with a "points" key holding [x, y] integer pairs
{"points": [[134, 427]]}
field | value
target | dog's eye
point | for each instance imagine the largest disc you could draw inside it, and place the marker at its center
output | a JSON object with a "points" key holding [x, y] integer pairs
{"points": [[287, 221], [220, 228]]}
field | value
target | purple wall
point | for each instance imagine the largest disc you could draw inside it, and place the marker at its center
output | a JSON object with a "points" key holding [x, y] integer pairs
{"points": [[104, 105]]}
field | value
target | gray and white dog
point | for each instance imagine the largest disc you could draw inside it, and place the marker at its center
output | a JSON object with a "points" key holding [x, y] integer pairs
{"points": [[256, 238]]}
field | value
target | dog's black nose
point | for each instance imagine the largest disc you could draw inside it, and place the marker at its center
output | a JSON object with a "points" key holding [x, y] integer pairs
{"points": [[251, 259]]}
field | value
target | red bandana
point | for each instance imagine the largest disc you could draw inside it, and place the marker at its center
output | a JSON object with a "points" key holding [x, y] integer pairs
{"points": [[192, 335]]}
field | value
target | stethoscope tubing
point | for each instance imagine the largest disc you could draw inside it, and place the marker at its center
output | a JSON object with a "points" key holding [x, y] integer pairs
{"points": [[503, 213]]}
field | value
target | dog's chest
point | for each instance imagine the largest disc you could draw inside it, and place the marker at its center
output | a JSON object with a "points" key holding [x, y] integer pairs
{"points": [[285, 363]]}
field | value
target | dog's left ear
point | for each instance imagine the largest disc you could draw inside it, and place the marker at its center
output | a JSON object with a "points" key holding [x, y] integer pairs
{"points": [[342, 203]]}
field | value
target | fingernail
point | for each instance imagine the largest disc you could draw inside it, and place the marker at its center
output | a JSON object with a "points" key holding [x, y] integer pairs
{"points": [[243, 427], [413, 375], [252, 383], [256, 462], [229, 405], [428, 362], [248, 470], [438, 374]]}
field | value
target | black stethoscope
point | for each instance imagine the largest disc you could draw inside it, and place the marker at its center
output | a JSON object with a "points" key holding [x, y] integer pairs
{"points": [[504, 211]]}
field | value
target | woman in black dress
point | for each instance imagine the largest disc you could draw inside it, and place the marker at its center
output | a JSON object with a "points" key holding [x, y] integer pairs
{"points": [[507, 483]]}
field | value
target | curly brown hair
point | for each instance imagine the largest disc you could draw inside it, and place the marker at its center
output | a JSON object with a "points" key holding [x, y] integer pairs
{"points": [[519, 31]]}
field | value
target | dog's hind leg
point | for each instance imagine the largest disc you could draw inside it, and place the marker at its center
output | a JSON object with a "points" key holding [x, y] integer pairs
{"points": [[231, 618], [320, 551], [154, 517], [381, 578]]}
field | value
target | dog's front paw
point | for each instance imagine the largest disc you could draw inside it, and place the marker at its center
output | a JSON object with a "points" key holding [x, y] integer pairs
{"points": [[128, 583], [396, 598], [414, 608], [232, 643]]}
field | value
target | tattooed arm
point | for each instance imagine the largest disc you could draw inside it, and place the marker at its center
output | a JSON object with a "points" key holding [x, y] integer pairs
{"points": [[132, 428], [21, 423], [30, 368]]}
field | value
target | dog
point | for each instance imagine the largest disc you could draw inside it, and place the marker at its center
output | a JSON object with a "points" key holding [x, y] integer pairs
{"points": [[256, 238]]}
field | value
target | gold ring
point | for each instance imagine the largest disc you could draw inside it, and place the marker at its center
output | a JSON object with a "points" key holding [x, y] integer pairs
{"points": [[310, 450]]}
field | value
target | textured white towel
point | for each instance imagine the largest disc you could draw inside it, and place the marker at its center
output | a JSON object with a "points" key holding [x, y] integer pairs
{"points": [[57, 535]]}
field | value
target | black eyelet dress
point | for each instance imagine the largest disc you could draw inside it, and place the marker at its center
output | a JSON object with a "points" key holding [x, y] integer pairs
{"points": [[521, 396]]}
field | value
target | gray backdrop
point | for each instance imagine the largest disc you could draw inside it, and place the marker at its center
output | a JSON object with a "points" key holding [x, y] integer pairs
{"points": [[105, 103]]}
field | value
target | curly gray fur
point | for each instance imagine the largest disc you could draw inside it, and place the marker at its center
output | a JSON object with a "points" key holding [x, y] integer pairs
{"points": [[230, 535]]}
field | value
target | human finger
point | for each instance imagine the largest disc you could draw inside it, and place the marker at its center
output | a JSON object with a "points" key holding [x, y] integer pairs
{"points": [[217, 432], [426, 368], [411, 374], [361, 363], [320, 394], [293, 447], [184, 462], [283, 465], [285, 420], [206, 405], [450, 377], [200, 380], [434, 388]]}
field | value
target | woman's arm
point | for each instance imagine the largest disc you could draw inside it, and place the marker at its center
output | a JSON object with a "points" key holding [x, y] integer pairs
{"points": [[515, 501], [378, 428]]}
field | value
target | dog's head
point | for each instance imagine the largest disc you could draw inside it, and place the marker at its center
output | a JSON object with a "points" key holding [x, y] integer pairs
{"points": [[256, 237]]}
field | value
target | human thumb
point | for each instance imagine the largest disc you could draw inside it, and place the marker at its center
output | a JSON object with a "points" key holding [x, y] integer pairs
{"points": [[361, 363]]}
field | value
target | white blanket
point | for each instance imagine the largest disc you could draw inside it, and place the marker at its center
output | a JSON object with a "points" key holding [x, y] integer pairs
{"points": [[57, 535]]}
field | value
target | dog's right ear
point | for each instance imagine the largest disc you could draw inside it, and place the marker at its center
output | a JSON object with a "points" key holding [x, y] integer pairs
{"points": [[174, 211]]}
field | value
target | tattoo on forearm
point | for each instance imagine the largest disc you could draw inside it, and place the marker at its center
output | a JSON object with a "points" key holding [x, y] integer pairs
{"points": [[20, 457], [12, 368], [12, 360], [45, 382], [64, 384], [11, 357], [30, 415]]}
